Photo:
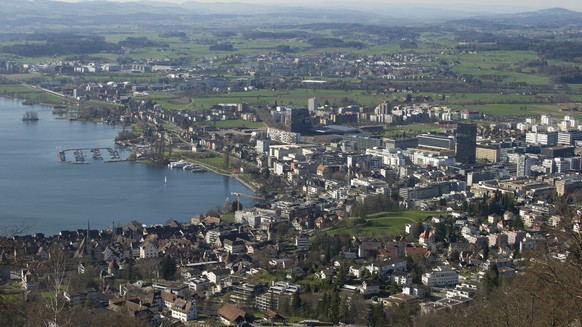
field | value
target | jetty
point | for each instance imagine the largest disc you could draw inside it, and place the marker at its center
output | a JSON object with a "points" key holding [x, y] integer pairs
{"points": [[89, 155]]}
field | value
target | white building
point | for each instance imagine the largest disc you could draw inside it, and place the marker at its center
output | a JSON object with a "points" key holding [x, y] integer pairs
{"points": [[549, 138], [302, 242], [184, 310], [148, 250], [440, 277]]}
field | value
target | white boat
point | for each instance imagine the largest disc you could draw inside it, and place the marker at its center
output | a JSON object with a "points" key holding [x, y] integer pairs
{"points": [[189, 167], [178, 164]]}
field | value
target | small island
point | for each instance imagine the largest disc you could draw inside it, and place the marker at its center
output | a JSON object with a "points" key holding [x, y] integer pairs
{"points": [[30, 116]]}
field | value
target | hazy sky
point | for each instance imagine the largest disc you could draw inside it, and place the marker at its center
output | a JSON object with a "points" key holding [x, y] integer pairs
{"points": [[471, 5]]}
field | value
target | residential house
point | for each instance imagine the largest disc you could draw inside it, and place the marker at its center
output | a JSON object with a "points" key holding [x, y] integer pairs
{"points": [[236, 246], [148, 250], [402, 278], [184, 310], [369, 287], [217, 276], [231, 315]]}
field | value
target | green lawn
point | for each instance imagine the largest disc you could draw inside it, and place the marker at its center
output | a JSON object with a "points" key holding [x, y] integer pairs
{"points": [[26, 93], [413, 129], [385, 223]]}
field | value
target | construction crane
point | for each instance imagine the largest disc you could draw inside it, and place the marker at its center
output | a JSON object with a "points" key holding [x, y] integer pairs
{"points": [[238, 195]]}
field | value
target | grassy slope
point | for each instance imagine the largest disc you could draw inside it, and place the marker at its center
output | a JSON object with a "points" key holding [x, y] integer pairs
{"points": [[385, 223]]}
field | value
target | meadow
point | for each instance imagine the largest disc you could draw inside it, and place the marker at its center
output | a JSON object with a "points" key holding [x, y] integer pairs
{"points": [[384, 223]]}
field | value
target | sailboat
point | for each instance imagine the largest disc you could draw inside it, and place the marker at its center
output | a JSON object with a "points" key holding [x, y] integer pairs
{"points": [[165, 179]]}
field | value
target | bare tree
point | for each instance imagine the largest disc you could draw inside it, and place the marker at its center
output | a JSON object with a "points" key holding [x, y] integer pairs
{"points": [[11, 307], [57, 282]]}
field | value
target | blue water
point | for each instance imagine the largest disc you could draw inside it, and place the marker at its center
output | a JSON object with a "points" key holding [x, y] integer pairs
{"points": [[38, 191]]}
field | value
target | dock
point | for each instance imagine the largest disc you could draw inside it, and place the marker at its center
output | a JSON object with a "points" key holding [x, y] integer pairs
{"points": [[89, 155]]}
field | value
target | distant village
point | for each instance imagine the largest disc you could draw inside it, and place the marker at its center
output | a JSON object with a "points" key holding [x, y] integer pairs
{"points": [[487, 192]]}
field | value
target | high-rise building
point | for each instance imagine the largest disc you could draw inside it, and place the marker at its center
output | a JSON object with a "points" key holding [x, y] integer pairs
{"points": [[523, 166], [383, 108], [312, 104], [466, 146], [298, 120]]}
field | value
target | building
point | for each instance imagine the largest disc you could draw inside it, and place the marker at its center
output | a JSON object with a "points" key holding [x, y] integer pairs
{"points": [[558, 151], [243, 295], [440, 277], [523, 166], [383, 108], [184, 310], [148, 250], [490, 153], [569, 137], [312, 104], [298, 120], [360, 143], [401, 143], [439, 142], [466, 147], [283, 136], [262, 146], [270, 299], [302, 242], [549, 138], [230, 315]]}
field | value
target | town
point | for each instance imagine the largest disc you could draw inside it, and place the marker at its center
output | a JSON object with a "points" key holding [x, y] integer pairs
{"points": [[393, 213]]}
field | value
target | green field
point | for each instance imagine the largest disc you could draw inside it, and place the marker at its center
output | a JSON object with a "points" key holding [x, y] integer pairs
{"points": [[499, 66], [26, 93], [385, 223]]}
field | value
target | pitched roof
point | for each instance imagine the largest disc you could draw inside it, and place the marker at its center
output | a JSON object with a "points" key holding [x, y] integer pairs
{"points": [[231, 313]]}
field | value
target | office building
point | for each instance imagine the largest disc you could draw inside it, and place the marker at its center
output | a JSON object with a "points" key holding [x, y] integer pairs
{"points": [[523, 166], [466, 147], [298, 120], [437, 142]]}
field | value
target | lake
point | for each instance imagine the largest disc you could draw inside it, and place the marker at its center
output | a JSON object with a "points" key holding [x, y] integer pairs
{"points": [[38, 190]]}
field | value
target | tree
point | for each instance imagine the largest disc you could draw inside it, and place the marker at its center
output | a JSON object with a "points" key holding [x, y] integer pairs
{"points": [[491, 279], [57, 283], [376, 316], [11, 308], [168, 268], [334, 307], [295, 303]]}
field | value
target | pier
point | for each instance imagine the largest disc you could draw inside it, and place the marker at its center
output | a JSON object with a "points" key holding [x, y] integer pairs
{"points": [[89, 155]]}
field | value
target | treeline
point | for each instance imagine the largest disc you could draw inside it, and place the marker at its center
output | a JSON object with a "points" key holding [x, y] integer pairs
{"points": [[547, 49], [276, 35], [222, 47], [562, 74], [172, 34], [329, 42], [64, 46], [373, 204], [390, 32], [142, 42], [337, 307]]}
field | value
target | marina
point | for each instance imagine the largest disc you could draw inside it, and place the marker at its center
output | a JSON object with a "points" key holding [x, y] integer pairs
{"points": [[41, 190], [89, 155]]}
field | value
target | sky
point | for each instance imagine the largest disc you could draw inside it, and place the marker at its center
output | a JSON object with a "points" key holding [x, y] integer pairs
{"points": [[470, 5]]}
